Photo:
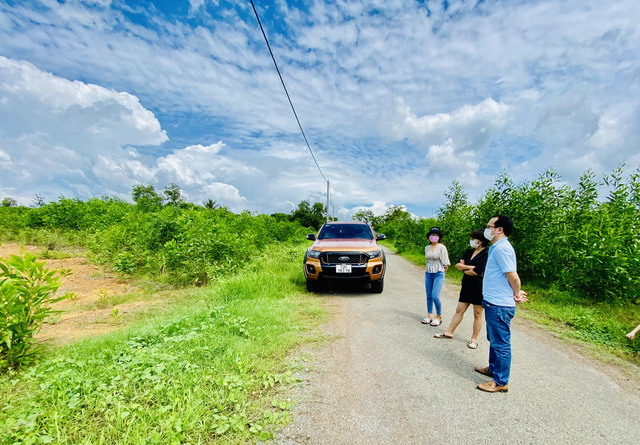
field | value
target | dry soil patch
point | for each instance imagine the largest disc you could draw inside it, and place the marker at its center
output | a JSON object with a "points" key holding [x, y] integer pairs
{"points": [[83, 315]]}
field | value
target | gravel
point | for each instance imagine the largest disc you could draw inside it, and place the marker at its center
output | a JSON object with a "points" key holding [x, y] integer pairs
{"points": [[386, 380]]}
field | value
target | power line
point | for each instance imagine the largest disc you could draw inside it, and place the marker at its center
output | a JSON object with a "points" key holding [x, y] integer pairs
{"points": [[285, 90]]}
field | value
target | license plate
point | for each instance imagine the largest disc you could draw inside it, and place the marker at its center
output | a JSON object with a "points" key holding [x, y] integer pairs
{"points": [[343, 268]]}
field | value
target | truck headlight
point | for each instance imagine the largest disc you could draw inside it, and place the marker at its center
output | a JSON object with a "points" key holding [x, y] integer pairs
{"points": [[374, 254], [313, 253]]}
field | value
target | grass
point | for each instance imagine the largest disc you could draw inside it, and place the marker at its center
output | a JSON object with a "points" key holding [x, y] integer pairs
{"points": [[203, 369], [601, 327]]}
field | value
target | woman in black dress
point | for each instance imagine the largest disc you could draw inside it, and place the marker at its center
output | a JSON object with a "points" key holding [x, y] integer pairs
{"points": [[472, 264]]}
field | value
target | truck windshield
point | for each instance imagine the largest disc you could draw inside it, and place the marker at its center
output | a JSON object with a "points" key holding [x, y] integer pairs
{"points": [[345, 231]]}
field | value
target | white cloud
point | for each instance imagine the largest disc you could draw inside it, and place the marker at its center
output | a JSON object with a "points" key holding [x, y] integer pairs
{"points": [[524, 87], [470, 126]]}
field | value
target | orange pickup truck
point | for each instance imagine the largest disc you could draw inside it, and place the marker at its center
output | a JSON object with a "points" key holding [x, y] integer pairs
{"points": [[345, 251]]}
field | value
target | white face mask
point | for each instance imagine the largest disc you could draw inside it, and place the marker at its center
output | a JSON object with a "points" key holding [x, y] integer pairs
{"points": [[488, 235], [474, 243]]}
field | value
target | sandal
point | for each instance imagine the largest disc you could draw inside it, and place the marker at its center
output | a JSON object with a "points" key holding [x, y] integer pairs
{"points": [[443, 335], [426, 321], [473, 344], [436, 322]]}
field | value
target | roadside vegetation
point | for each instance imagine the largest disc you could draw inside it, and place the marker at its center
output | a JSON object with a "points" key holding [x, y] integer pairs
{"points": [[206, 366], [578, 255]]}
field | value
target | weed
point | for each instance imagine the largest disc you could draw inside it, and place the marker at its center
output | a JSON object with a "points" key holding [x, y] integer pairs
{"points": [[26, 293], [102, 301], [205, 370], [116, 317], [71, 296]]}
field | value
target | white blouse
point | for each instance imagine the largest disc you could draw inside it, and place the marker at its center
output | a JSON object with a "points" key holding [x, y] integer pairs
{"points": [[437, 259]]}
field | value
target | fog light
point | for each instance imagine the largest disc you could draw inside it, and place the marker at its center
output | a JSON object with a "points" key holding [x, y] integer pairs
{"points": [[377, 269], [311, 269]]}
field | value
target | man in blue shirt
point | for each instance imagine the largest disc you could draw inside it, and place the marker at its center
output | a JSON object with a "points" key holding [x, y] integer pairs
{"points": [[500, 292]]}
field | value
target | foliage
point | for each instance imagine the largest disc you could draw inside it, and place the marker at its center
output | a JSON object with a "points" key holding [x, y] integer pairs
{"points": [[173, 195], [26, 293], [455, 220], [9, 202], [207, 370], [562, 235], [183, 244], [146, 197], [408, 234], [310, 215], [368, 217]]}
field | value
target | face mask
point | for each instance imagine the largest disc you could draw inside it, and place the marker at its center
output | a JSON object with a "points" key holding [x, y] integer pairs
{"points": [[488, 235], [474, 243], [434, 239]]}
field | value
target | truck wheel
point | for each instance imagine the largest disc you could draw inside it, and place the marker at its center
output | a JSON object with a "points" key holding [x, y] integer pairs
{"points": [[377, 286], [312, 286]]}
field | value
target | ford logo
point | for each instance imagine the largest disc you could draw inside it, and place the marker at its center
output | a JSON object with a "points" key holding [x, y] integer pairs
{"points": [[344, 258]]}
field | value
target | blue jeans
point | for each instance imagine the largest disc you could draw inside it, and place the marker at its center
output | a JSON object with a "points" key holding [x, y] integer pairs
{"points": [[498, 320], [433, 282]]}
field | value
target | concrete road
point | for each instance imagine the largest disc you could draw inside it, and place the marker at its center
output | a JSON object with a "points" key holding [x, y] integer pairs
{"points": [[386, 380]]}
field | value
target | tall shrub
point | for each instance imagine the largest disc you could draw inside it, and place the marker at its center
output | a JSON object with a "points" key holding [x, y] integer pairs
{"points": [[456, 220], [26, 293]]}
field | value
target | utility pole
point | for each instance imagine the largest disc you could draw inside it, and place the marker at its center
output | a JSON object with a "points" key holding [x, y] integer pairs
{"points": [[327, 200]]}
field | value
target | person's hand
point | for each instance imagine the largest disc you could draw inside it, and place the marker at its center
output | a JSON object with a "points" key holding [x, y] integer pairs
{"points": [[521, 297], [631, 335], [462, 262]]}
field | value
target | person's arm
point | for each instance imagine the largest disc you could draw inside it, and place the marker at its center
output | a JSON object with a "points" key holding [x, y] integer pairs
{"points": [[444, 257], [514, 280], [462, 266], [631, 335]]}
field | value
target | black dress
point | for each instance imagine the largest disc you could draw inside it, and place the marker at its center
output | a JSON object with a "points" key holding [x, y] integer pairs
{"points": [[471, 291]]}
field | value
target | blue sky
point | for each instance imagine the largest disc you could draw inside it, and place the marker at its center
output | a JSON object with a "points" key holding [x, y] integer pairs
{"points": [[397, 98]]}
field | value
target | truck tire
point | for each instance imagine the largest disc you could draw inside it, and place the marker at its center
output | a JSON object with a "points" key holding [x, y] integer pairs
{"points": [[312, 286]]}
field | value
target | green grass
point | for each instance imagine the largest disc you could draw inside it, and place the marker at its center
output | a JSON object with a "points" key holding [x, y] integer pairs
{"points": [[204, 369], [601, 326]]}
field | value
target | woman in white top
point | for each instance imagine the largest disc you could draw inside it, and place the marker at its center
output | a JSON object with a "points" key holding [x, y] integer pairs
{"points": [[437, 259]]}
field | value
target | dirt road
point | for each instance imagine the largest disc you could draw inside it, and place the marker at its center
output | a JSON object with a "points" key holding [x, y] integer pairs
{"points": [[386, 380]]}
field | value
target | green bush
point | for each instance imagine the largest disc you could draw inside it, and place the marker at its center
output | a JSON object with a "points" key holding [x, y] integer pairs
{"points": [[562, 235], [26, 292]]}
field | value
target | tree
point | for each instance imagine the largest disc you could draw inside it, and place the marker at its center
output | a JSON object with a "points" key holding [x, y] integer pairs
{"points": [[364, 216], [173, 195], [396, 214], [455, 217], [145, 197], [9, 202], [210, 204], [308, 215], [38, 201]]}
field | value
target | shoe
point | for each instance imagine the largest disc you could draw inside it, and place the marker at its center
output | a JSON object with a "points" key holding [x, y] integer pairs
{"points": [[473, 344], [484, 371], [491, 386], [443, 335], [436, 322], [426, 321]]}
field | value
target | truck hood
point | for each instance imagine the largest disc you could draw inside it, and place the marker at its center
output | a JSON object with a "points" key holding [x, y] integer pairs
{"points": [[354, 245]]}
